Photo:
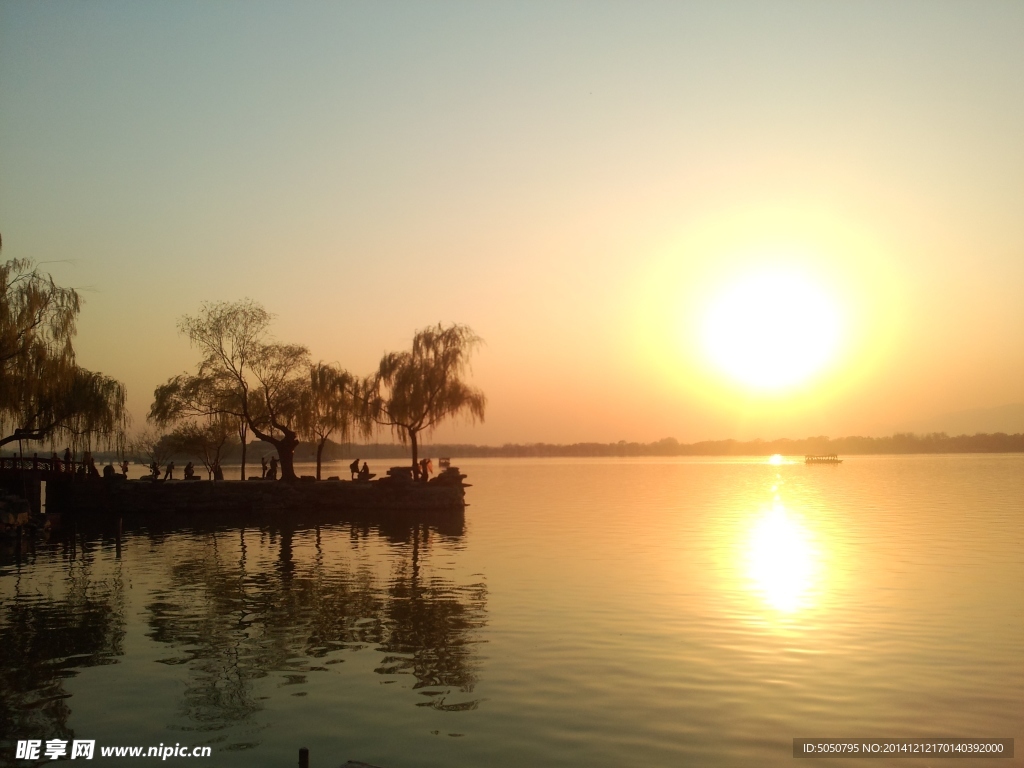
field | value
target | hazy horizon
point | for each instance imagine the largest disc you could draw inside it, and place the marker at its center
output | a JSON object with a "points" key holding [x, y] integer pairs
{"points": [[704, 221]]}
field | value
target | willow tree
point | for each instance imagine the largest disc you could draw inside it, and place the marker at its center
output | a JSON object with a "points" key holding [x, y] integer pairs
{"points": [[242, 373], [273, 405], [209, 403], [151, 447], [44, 393], [414, 391], [205, 442], [333, 402]]}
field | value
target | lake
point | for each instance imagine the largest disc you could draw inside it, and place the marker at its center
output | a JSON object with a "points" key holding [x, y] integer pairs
{"points": [[588, 612]]}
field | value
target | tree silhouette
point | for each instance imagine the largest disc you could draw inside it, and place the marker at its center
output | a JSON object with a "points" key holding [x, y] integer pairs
{"points": [[43, 392], [151, 447], [334, 401], [241, 374], [414, 391], [203, 441], [201, 401]]}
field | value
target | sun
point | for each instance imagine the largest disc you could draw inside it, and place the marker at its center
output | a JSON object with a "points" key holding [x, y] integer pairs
{"points": [[772, 330]]}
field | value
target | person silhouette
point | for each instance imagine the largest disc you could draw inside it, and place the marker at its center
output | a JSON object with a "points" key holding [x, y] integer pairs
{"points": [[263, 464], [354, 468], [169, 472], [272, 469]]}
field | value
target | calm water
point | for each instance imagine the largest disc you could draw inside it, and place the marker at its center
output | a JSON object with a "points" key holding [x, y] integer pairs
{"points": [[588, 613]]}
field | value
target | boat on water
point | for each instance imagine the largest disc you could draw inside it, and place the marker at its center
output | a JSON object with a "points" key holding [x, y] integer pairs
{"points": [[828, 458]]}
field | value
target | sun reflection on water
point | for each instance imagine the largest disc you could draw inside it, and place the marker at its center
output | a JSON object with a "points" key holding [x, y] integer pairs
{"points": [[783, 560]]}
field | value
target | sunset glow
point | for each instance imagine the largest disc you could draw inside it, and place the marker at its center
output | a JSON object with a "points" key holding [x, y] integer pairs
{"points": [[650, 243]]}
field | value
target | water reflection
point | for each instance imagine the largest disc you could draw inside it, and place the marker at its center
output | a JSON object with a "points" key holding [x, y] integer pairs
{"points": [[49, 635], [783, 562], [780, 553], [235, 611], [237, 607], [426, 631]]}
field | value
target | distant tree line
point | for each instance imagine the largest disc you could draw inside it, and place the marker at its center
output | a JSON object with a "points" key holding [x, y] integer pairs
{"points": [[850, 446], [902, 442]]}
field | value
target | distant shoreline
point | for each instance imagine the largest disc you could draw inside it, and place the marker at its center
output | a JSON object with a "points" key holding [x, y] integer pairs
{"points": [[900, 443], [849, 446]]}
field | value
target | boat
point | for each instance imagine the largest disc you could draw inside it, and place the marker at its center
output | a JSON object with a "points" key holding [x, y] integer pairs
{"points": [[828, 458]]}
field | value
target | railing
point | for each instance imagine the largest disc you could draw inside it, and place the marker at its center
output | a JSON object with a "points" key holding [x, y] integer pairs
{"points": [[38, 464]]}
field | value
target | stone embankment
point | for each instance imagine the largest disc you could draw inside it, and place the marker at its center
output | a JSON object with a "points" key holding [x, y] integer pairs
{"points": [[120, 497]]}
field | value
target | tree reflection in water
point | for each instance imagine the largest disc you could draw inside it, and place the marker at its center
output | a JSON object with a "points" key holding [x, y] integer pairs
{"points": [[47, 637], [426, 631], [234, 617]]}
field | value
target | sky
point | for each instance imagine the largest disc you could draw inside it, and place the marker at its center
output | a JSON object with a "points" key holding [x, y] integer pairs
{"points": [[665, 219]]}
